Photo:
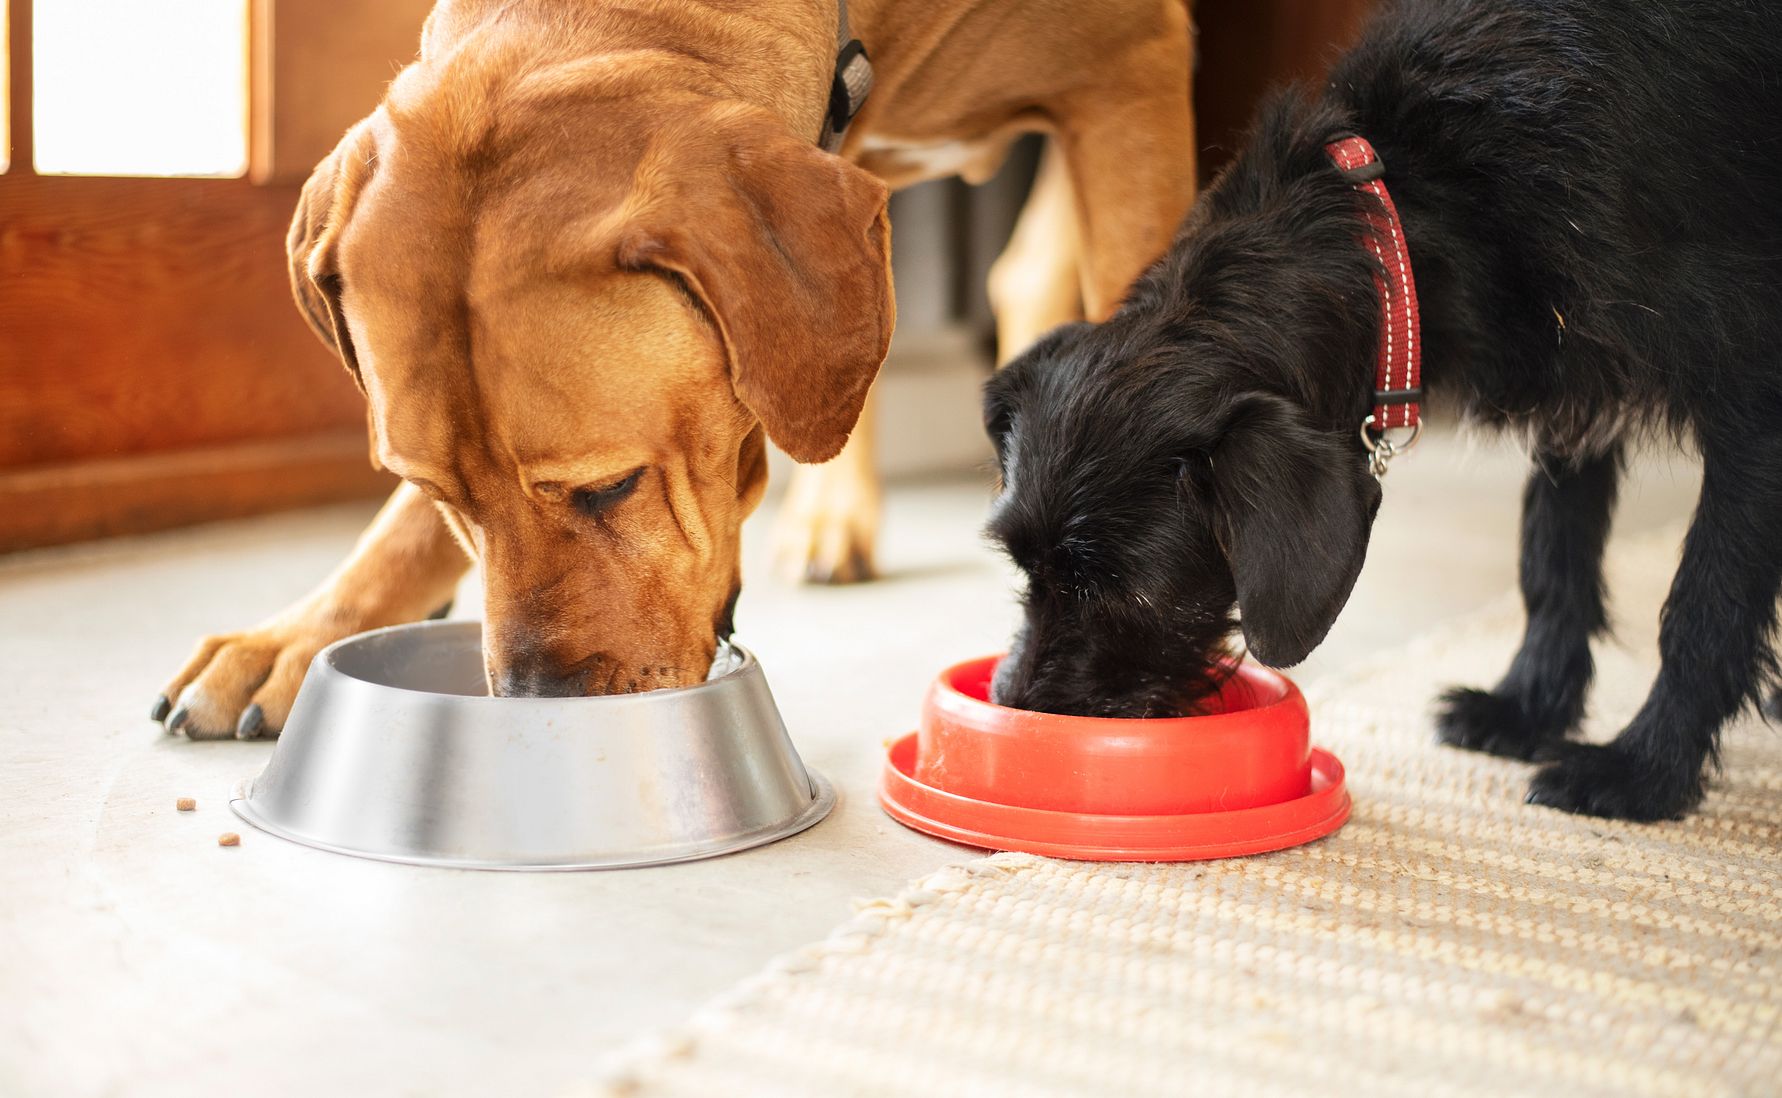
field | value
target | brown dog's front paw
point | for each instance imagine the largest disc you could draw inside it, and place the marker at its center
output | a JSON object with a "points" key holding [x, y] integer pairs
{"points": [[828, 525], [241, 685]]}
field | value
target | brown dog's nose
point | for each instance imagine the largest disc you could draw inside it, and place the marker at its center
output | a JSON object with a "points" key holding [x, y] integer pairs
{"points": [[535, 682], [528, 671]]}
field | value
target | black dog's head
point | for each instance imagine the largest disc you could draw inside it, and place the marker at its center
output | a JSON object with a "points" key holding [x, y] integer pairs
{"points": [[1148, 490], [1197, 453]]}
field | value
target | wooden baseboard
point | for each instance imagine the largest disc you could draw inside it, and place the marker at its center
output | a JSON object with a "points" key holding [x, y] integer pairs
{"points": [[58, 504]]}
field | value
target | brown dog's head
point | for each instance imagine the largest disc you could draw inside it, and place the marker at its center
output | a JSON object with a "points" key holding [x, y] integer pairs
{"points": [[575, 307]]}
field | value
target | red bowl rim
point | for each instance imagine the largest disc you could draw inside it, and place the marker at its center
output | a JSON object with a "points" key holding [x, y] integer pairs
{"points": [[1286, 708], [1095, 837]]}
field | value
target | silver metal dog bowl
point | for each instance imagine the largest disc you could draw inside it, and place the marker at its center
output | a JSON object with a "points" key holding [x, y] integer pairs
{"points": [[395, 750]]}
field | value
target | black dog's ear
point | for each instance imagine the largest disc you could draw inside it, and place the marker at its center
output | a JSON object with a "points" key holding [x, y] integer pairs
{"points": [[1296, 506]]}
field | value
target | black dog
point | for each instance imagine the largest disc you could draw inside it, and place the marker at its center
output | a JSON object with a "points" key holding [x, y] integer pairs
{"points": [[1592, 198]]}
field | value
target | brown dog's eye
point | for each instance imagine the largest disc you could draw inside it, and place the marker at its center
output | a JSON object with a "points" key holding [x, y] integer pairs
{"points": [[596, 502]]}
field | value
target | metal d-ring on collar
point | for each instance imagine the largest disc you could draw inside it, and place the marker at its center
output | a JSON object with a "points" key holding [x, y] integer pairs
{"points": [[850, 86], [1380, 447]]}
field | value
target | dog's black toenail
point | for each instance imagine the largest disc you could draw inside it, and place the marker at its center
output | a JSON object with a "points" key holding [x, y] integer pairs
{"points": [[178, 719], [440, 614], [253, 719], [159, 711]]}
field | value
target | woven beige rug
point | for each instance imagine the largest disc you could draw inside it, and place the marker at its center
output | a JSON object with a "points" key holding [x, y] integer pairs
{"points": [[1448, 941]]}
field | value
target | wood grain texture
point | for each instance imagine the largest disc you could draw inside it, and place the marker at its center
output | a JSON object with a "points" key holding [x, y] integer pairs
{"points": [[57, 504], [318, 67], [149, 315], [18, 80]]}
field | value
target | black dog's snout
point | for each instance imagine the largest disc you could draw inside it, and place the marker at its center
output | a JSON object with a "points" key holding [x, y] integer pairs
{"points": [[1028, 678], [1006, 684]]}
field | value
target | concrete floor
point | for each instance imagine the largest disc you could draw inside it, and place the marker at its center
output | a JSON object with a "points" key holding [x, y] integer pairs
{"points": [[137, 957]]}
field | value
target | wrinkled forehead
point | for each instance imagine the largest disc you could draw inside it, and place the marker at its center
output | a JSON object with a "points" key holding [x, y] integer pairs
{"points": [[587, 364], [588, 377], [492, 332]]}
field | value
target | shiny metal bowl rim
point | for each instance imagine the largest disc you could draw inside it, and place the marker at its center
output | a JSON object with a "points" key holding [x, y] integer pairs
{"points": [[823, 800], [744, 660]]}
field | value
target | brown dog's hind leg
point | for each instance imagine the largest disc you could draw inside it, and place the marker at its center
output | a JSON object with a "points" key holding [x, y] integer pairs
{"points": [[1036, 283], [828, 523], [405, 565]]}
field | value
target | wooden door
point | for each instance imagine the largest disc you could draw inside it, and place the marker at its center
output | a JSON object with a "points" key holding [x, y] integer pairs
{"points": [[153, 370]]}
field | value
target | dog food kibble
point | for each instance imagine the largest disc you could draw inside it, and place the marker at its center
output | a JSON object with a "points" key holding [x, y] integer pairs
{"points": [[228, 838], [185, 804]]}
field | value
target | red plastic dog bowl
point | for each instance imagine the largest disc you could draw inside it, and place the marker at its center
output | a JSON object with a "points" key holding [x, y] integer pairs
{"points": [[1241, 779]]}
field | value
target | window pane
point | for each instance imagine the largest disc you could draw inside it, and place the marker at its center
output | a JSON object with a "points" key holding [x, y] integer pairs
{"points": [[140, 87]]}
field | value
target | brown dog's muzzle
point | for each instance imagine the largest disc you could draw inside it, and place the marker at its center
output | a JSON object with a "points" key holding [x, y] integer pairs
{"points": [[565, 620], [520, 666], [525, 672]]}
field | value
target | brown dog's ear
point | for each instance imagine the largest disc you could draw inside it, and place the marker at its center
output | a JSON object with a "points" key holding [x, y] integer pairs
{"points": [[1297, 505], [789, 250], [312, 246]]}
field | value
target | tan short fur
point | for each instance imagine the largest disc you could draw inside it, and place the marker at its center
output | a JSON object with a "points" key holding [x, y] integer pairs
{"points": [[580, 240]]}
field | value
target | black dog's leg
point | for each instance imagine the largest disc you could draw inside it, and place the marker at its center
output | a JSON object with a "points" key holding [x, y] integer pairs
{"points": [[1565, 521], [1714, 641]]}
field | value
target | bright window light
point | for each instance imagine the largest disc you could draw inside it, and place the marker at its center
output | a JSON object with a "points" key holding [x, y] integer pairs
{"points": [[140, 87]]}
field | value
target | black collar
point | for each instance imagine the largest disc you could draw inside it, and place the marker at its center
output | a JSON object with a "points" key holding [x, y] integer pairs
{"points": [[850, 86]]}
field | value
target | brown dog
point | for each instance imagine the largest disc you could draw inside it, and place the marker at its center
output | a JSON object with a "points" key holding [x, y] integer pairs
{"points": [[584, 260]]}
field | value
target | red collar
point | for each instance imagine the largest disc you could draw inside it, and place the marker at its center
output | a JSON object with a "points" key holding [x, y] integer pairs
{"points": [[1398, 370]]}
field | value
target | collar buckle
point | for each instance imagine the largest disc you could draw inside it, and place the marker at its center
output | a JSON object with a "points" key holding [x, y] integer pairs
{"points": [[847, 93]]}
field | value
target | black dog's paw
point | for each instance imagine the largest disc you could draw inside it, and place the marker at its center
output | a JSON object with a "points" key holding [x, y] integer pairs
{"points": [[1480, 720], [1604, 780]]}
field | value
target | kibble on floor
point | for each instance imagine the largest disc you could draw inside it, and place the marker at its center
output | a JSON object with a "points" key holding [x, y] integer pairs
{"points": [[228, 838], [186, 804]]}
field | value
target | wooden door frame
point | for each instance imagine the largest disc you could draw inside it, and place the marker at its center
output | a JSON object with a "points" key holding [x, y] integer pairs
{"points": [[225, 454]]}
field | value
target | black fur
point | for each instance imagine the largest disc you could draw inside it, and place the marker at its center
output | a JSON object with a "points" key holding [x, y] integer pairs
{"points": [[1592, 195]]}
